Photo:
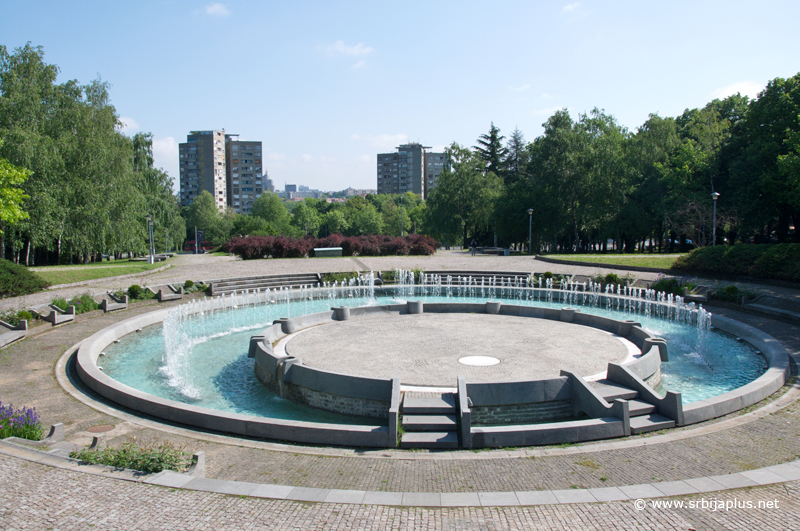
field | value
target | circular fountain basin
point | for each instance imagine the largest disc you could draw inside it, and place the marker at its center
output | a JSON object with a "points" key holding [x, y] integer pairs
{"points": [[219, 325]]}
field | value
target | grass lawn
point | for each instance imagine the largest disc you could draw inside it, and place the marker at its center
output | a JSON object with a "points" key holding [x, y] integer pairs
{"points": [[659, 261], [77, 273]]}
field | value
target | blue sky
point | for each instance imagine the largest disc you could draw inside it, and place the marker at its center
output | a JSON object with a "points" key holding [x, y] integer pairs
{"points": [[328, 85]]}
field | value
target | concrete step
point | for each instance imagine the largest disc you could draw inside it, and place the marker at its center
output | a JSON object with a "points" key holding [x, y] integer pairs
{"points": [[446, 405], [611, 391], [429, 422], [433, 440], [652, 422], [640, 407]]}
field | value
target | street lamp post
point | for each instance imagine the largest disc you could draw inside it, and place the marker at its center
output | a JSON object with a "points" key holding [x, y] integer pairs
{"points": [[150, 253], [714, 196], [165, 241], [530, 231]]}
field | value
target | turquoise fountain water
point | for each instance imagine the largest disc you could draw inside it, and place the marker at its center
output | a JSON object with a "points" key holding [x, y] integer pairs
{"points": [[199, 354]]}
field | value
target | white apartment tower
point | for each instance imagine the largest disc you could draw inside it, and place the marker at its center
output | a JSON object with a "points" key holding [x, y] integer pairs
{"points": [[202, 167]]}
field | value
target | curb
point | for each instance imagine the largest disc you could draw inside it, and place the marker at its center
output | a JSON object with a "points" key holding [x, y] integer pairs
{"points": [[608, 266]]}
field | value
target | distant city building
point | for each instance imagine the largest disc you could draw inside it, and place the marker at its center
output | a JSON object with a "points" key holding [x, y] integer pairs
{"points": [[359, 191], [290, 187], [202, 167], [410, 169], [244, 173]]}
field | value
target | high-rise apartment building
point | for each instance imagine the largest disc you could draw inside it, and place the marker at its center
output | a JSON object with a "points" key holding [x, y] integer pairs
{"points": [[410, 169], [202, 167], [244, 172]]}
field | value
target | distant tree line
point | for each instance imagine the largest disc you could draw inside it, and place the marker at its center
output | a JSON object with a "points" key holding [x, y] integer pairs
{"points": [[591, 180], [271, 216]]}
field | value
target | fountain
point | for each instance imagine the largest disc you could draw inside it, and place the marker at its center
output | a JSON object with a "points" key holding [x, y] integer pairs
{"points": [[198, 355]]}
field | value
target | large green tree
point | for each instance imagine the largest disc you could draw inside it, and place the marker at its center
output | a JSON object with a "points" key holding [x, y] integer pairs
{"points": [[462, 203]]}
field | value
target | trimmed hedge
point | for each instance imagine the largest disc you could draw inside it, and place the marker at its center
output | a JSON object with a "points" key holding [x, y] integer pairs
{"points": [[770, 261], [253, 247], [16, 280]]}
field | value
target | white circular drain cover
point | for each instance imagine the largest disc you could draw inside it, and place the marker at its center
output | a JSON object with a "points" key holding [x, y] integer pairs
{"points": [[479, 361]]}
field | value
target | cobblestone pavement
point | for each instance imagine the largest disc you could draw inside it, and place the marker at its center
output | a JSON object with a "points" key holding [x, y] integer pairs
{"points": [[37, 497], [33, 496]]}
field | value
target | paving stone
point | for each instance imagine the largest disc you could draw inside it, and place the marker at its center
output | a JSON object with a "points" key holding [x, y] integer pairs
{"points": [[460, 499], [706, 484], [422, 499], [345, 496], [383, 498], [544, 497], [239, 488], [574, 496], [307, 494], [497, 499], [763, 476], [272, 491], [728, 481], [170, 479], [641, 491], [608, 494], [675, 488]]}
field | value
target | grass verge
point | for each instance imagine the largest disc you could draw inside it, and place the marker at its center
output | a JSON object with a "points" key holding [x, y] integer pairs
{"points": [[88, 272], [658, 261]]}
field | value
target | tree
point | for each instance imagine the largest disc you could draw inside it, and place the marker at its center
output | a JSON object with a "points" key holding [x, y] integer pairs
{"points": [[204, 215], [336, 222], [517, 157], [11, 196], [490, 149], [306, 218], [271, 209], [464, 198]]}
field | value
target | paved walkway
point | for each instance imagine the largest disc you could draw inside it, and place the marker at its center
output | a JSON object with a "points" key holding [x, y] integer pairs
{"points": [[33, 496]]}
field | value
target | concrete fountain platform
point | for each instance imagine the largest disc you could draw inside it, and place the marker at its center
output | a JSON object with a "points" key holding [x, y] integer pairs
{"points": [[425, 349]]}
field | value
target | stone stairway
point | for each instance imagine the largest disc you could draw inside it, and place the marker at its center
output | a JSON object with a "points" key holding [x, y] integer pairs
{"points": [[643, 416], [293, 280], [429, 421]]}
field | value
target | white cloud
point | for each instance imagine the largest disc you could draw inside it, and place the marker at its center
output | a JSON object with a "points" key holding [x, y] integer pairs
{"points": [[574, 9], [306, 156], [217, 10], [519, 88], [745, 88], [340, 48], [383, 142], [129, 125], [359, 65], [547, 112], [546, 96]]}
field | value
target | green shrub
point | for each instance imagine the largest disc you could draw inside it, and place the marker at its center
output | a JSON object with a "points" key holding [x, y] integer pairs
{"points": [[339, 277], [731, 294], [613, 279], [772, 261], [84, 303], [388, 276], [152, 456], [673, 285], [61, 302], [547, 274], [188, 284], [138, 293], [16, 280], [25, 315]]}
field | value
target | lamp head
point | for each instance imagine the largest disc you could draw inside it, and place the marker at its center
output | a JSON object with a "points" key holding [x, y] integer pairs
{"points": [[714, 196], [530, 211]]}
